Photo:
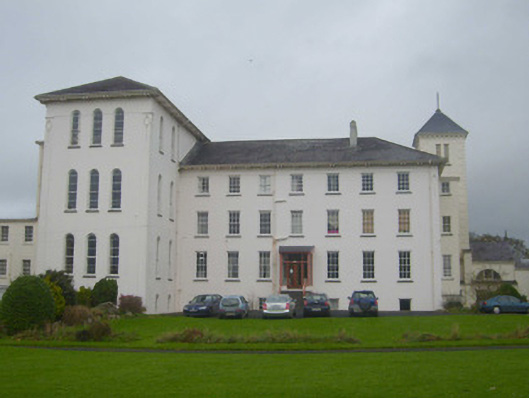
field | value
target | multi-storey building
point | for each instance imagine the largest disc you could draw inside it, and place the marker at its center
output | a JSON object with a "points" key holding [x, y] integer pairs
{"points": [[131, 189]]}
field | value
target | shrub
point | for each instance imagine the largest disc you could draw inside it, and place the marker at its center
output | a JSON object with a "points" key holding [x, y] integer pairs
{"points": [[105, 291], [97, 331], [64, 281], [84, 296], [132, 304], [27, 303], [58, 298], [76, 315]]}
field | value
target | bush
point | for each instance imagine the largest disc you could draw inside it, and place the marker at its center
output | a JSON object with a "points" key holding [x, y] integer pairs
{"points": [[84, 296], [76, 315], [27, 303], [97, 331], [64, 281], [105, 291], [132, 304], [58, 298]]}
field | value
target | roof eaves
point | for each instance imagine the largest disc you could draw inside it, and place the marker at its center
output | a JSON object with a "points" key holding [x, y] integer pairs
{"points": [[310, 165]]}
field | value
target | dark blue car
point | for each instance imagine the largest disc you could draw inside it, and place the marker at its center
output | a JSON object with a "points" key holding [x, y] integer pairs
{"points": [[203, 305], [499, 304], [316, 304]]}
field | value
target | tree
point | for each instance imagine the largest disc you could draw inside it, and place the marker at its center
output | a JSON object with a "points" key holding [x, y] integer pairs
{"points": [[64, 281], [27, 303], [104, 291]]}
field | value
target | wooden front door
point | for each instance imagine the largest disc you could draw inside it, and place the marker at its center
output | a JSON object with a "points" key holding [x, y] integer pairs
{"points": [[295, 269]]}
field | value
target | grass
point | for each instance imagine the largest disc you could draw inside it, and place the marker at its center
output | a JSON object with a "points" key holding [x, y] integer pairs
{"points": [[312, 333], [43, 373]]}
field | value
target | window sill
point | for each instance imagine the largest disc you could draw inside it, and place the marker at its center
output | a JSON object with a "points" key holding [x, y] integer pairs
{"points": [[159, 215], [232, 280], [3, 276], [170, 279], [112, 276], [264, 236], [4, 242], [92, 211], [447, 278], [404, 236], [234, 236], [403, 192], [114, 210], [200, 280], [171, 219], [116, 145], [332, 193], [333, 281], [202, 195], [264, 194], [264, 280], [333, 236], [296, 194], [446, 194], [160, 152], [70, 211], [368, 236], [233, 194], [158, 278], [96, 146], [202, 236], [27, 243], [446, 233], [74, 146], [368, 193], [296, 236], [368, 281], [404, 281], [89, 276]]}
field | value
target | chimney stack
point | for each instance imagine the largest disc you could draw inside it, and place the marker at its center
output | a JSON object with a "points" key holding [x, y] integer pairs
{"points": [[353, 134]]}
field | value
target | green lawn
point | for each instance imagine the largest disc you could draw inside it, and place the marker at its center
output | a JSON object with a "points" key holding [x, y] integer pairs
{"points": [[371, 332], [28, 372]]}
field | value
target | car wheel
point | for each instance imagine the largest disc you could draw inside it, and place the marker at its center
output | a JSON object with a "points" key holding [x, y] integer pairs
{"points": [[496, 310]]}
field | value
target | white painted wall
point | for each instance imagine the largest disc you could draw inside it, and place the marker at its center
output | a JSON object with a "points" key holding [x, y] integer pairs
{"points": [[424, 242]]}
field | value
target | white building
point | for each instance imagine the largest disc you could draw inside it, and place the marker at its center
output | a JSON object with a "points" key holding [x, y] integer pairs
{"points": [[131, 189]]}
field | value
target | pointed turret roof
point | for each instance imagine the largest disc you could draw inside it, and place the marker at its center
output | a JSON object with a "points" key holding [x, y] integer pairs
{"points": [[439, 123]]}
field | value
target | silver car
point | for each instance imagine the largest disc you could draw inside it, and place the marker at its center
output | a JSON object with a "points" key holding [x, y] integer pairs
{"points": [[279, 306]]}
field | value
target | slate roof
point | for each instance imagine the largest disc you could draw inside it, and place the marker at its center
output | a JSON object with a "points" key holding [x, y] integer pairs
{"points": [[120, 87], [119, 83], [439, 123], [492, 251], [309, 152]]}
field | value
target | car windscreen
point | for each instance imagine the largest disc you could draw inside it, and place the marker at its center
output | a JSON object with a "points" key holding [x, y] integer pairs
{"points": [[277, 299], [200, 299], [230, 302], [316, 297], [359, 295]]}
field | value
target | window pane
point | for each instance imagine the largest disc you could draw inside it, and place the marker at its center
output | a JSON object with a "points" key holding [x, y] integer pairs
{"points": [[447, 265], [94, 190], [234, 223], [404, 265], [404, 221], [233, 264], [118, 126], [116, 189], [235, 184], [203, 184], [332, 265], [74, 137], [97, 128], [72, 190], [202, 265], [403, 182], [333, 223], [368, 265], [91, 255], [368, 221], [333, 183], [114, 254], [367, 182], [265, 222], [297, 183], [69, 254], [264, 265], [202, 223], [265, 184], [296, 222]]}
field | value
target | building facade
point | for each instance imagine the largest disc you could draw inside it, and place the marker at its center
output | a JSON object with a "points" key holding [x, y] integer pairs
{"points": [[130, 189]]}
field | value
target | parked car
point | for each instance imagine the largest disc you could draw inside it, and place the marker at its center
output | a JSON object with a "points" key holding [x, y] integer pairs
{"points": [[316, 304], [203, 305], [363, 302], [233, 307], [499, 304], [279, 306]]}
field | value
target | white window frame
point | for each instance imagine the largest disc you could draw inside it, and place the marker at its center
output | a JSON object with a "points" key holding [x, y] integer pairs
{"points": [[203, 185], [447, 265], [71, 199], [5, 233], [117, 179], [404, 265], [333, 222], [114, 254], [404, 221], [234, 185], [91, 254], [368, 183], [368, 222], [445, 188], [296, 183], [76, 123], [201, 265], [3, 267], [403, 181], [202, 223], [265, 184], [234, 222], [296, 225], [69, 253], [233, 265], [93, 194], [97, 128], [265, 222], [333, 265], [447, 224], [333, 182], [264, 265], [368, 265], [119, 124], [160, 136]]}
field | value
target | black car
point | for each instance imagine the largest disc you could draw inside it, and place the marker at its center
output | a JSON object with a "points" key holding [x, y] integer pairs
{"points": [[203, 305], [316, 304]]}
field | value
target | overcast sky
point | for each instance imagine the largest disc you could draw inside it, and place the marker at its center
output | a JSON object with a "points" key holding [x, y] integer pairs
{"points": [[252, 69]]}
